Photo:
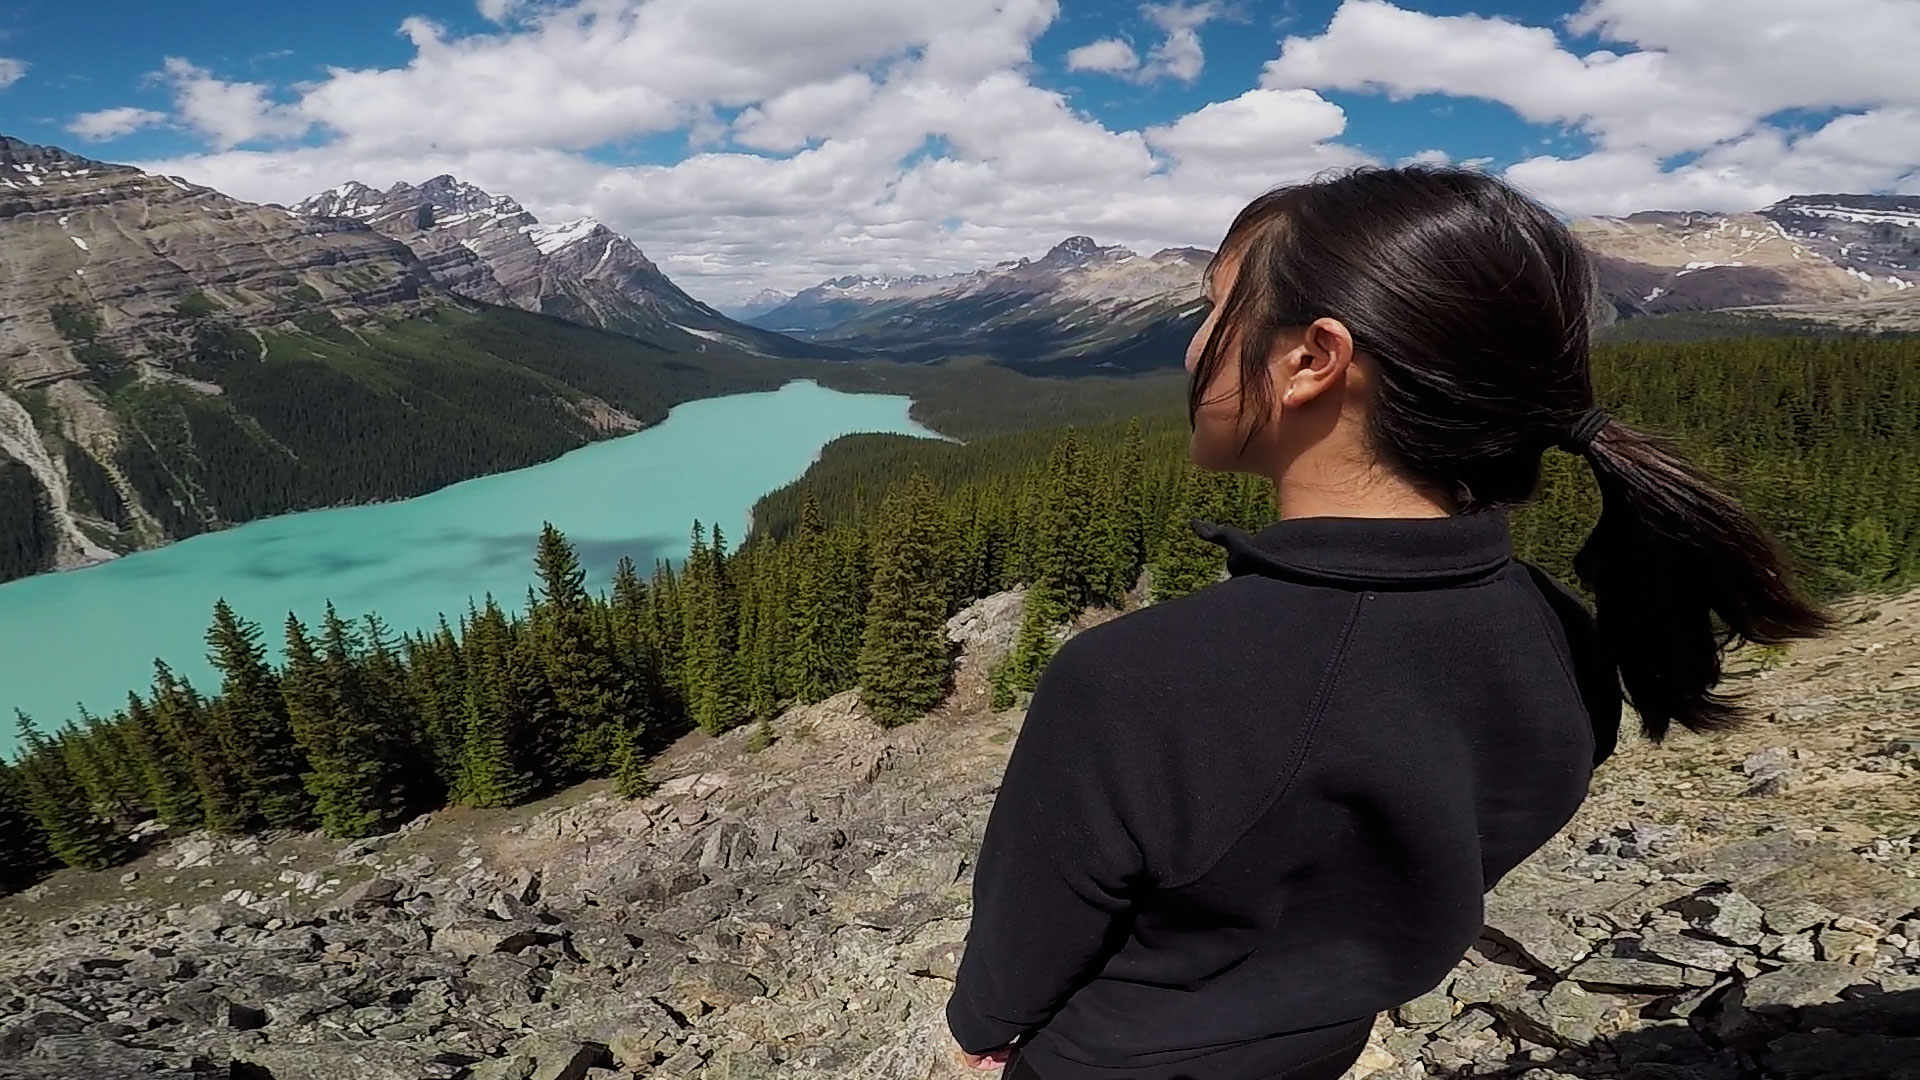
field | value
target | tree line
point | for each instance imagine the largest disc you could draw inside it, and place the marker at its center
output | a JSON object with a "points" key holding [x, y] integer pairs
{"points": [[847, 584]]}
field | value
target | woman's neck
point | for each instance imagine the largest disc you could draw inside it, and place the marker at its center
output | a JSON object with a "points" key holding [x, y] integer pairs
{"points": [[1352, 493]]}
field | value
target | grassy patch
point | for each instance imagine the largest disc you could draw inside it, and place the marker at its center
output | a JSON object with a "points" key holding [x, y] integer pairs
{"points": [[195, 304]]}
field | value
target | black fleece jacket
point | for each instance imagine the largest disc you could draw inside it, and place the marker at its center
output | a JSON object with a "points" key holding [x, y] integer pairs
{"points": [[1237, 825]]}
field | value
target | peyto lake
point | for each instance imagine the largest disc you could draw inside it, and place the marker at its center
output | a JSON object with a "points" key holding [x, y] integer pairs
{"points": [[88, 636]]}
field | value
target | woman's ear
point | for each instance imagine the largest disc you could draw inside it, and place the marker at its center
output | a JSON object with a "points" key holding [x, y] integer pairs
{"points": [[1318, 362]]}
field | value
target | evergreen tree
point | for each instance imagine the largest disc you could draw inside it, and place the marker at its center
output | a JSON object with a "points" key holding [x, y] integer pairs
{"points": [[89, 770], [592, 692], [75, 834], [907, 666], [437, 689], [810, 616], [494, 765], [261, 743], [24, 855], [1187, 563], [354, 780], [194, 732], [170, 789], [630, 779]]}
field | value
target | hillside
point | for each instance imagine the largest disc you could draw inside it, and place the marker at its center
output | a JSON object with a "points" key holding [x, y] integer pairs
{"points": [[1736, 907], [1081, 308], [489, 248], [173, 360], [1847, 259]]}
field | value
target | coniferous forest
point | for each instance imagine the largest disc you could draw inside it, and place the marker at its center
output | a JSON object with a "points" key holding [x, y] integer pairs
{"points": [[846, 584]]}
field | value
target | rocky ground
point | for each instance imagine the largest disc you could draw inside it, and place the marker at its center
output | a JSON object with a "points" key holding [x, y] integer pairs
{"points": [[1741, 907]]}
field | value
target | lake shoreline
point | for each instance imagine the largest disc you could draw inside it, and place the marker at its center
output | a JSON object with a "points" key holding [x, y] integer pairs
{"points": [[412, 560]]}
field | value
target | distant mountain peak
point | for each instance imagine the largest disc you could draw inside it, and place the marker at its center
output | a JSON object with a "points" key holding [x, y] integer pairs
{"points": [[1079, 251], [27, 165]]}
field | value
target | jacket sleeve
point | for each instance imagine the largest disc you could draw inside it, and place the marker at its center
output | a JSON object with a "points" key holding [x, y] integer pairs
{"points": [[1052, 886]]}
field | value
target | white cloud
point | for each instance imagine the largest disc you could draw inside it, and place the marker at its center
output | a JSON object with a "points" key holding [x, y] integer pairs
{"points": [[861, 132], [1427, 157], [1691, 82], [1179, 54], [228, 113], [1110, 55], [11, 71], [838, 136], [113, 123]]}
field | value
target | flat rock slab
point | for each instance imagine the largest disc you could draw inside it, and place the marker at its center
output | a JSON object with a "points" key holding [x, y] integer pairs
{"points": [[1776, 869], [1545, 938]]}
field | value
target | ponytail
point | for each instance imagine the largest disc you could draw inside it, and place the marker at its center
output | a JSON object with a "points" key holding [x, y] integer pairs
{"points": [[1473, 307], [1678, 571]]}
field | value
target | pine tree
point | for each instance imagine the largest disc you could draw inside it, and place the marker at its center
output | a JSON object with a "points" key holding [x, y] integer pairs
{"points": [[169, 786], [592, 693], [89, 770], [437, 687], [1187, 563], [767, 642], [24, 854], [354, 778], [811, 629], [494, 763], [262, 747], [194, 732], [75, 834], [713, 684], [906, 665], [1033, 646], [630, 779]]}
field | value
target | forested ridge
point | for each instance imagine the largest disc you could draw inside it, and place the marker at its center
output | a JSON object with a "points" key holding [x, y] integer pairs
{"points": [[847, 583]]}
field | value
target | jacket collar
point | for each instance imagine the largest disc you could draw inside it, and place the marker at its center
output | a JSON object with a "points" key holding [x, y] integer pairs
{"points": [[1386, 553]]}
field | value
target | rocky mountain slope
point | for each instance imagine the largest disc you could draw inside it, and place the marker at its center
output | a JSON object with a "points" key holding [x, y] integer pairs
{"points": [[174, 360], [1081, 307], [1721, 909], [489, 248], [1808, 252]]}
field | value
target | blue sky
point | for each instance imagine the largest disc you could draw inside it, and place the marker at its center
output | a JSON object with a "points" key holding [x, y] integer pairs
{"points": [[744, 143]]}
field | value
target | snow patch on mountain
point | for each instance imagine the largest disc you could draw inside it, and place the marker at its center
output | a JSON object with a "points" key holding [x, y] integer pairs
{"points": [[551, 238]]}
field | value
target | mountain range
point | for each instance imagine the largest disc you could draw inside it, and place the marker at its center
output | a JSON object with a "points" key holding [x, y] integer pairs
{"points": [[1082, 307], [489, 248], [174, 360]]}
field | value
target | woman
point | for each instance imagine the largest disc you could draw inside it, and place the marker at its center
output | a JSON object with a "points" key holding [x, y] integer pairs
{"points": [[1238, 825]]}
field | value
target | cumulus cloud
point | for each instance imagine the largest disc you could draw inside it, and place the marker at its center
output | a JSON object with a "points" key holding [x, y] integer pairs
{"points": [[113, 123], [11, 71], [838, 136], [859, 135], [228, 113], [1179, 54], [1691, 82], [1109, 55]]}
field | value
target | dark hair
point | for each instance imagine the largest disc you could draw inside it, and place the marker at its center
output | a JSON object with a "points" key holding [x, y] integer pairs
{"points": [[1472, 305]]}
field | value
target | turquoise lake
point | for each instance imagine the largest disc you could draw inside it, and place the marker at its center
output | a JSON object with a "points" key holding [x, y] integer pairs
{"points": [[88, 636]]}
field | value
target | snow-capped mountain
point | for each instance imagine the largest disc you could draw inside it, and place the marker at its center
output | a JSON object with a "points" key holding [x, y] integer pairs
{"points": [[1079, 306], [1804, 251], [758, 304], [488, 247]]}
